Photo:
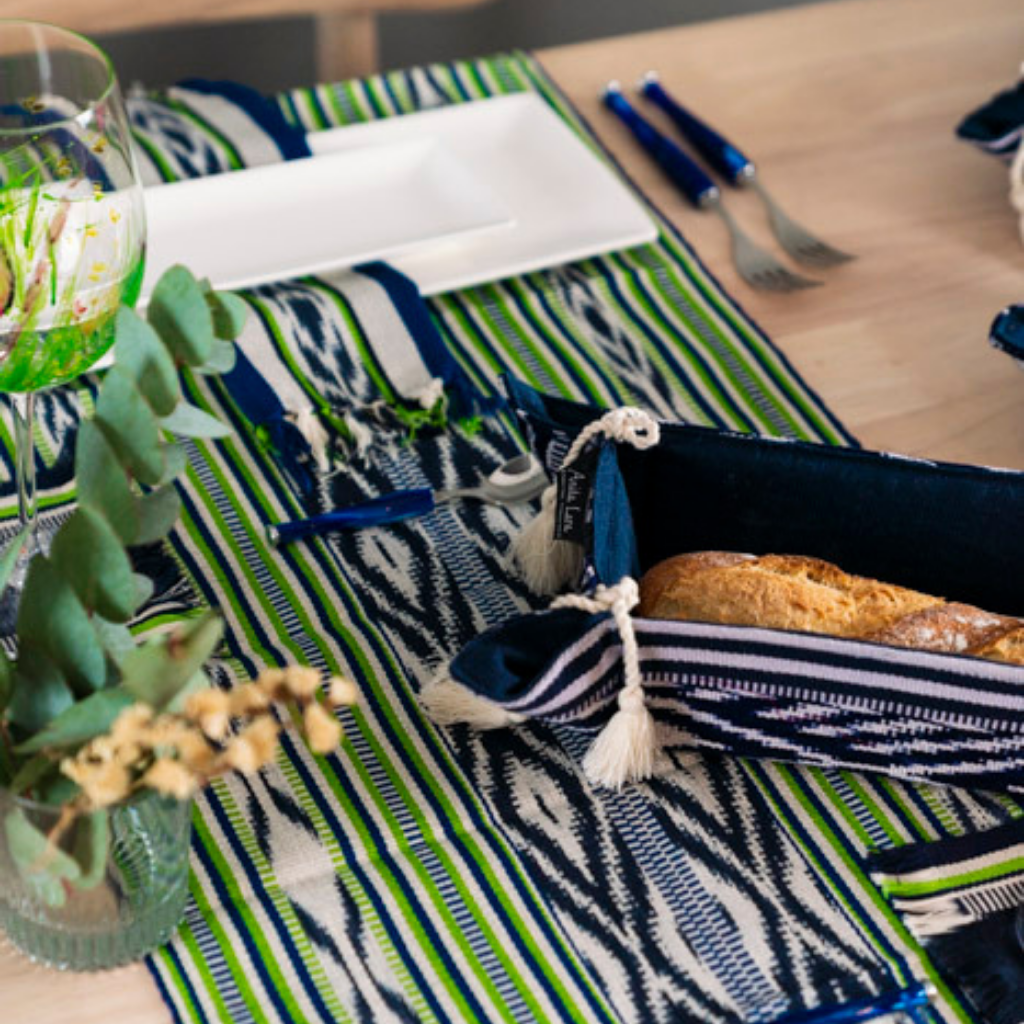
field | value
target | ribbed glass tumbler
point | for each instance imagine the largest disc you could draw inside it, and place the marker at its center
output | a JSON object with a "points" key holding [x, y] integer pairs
{"points": [[130, 903]]}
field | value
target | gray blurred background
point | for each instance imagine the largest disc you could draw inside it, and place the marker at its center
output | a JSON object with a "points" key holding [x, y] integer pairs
{"points": [[278, 55]]}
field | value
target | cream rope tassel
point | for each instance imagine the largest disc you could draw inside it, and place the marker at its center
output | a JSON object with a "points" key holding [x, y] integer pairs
{"points": [[627, 748], [548, 564], [447, 702], [308, 423]]}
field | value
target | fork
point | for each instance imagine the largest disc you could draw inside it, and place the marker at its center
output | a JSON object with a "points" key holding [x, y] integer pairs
{"points": [[758, 268], [739, 170]]}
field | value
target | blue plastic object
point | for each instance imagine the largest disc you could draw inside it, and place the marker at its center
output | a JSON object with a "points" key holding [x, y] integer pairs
{"points": [[389, 508], [694, 183], [732, 164], [912, 1001]]}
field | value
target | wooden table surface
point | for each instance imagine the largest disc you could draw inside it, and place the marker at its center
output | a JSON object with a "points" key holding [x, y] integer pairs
{"points": [[849, 109]]}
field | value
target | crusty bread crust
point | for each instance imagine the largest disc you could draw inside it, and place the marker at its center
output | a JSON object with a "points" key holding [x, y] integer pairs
{"points": [[809, 595]]}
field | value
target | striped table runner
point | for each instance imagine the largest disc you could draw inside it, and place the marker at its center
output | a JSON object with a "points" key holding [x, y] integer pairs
{"points": [[429, 874]]}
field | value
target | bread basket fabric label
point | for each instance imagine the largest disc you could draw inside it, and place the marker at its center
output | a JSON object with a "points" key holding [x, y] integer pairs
{"points": [[572, 505]]}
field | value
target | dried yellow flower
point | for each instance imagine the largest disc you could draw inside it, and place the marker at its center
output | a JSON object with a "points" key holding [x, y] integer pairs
{"points": [[271, 682], [323, 731], [254, 747], [171, 778], [247, 699], [131, 722], [342, 692], [196, 753], [302, 682], [211, 710], [103, 782]]}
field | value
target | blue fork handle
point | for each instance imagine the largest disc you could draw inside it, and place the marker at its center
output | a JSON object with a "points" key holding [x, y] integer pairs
{"points": [[389, 508], [694, 183], [732, 164]]}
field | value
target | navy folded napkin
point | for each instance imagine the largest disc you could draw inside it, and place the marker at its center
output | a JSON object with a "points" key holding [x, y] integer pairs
{"points": [[963, 898], [997, 126]]}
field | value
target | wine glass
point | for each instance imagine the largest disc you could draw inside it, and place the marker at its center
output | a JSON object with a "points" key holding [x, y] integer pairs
{"points": [[72, 224]]}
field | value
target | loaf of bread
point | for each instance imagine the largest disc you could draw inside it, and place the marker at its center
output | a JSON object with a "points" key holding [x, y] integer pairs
{"points": [[809, 595]]}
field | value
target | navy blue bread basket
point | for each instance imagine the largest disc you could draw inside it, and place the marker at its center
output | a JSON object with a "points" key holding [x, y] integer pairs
{"points": [[949, 530]]}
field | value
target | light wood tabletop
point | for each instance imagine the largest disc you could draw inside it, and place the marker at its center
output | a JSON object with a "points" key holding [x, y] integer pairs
{"points": [[849, 109]]}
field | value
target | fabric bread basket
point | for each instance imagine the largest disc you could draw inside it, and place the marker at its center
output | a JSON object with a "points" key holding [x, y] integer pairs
{"points": [[633, 492]]}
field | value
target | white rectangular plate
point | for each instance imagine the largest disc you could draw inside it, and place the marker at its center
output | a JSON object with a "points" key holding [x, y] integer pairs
{"points": [[566, 202], [310, 216]]}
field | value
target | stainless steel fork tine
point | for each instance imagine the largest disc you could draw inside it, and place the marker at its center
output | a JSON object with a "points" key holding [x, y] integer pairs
{"points": [[795, 239], [758, 268]]}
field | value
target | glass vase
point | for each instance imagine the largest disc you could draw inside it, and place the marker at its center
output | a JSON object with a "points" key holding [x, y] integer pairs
{"points": [[132, 904]]}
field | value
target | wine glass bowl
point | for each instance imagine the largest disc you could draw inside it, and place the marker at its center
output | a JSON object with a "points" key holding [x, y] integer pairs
{"points": [[72, 222], [72, 227]]}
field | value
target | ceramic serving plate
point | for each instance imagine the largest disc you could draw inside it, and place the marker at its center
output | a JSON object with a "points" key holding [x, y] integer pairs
{"points": [[311, 216], [566, 202]]}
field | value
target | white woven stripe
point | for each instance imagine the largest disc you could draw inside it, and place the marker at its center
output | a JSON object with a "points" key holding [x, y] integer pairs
{"points": [[254, 145]]}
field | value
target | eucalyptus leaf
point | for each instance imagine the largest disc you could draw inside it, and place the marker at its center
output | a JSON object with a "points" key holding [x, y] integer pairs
{"points": [[9, 562], [179, 312], [116, 637], [191, 421], [130, 426], [230, 313], [91, 558], [6, 680], [158, 512], [51, 618], [222, 359], [144, 588], [199, 681], [90, 848], [39, 693], [31, 773], [57, 789], [81, 722], [174, 464], [102, 482], [157, 671], [144, 356], [42, 867]]}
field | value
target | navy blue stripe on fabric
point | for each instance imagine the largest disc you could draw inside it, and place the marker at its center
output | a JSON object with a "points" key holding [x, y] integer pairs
{"points": [[299, 970], [407, 301], [230, 907], [290, 141], [950, 852], [150, 962]]}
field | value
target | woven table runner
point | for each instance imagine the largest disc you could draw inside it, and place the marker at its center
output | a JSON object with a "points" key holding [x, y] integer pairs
{"points": [[432, 874]]}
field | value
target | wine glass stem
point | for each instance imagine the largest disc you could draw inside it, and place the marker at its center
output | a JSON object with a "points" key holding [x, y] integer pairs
{"points": [[23, 406]]}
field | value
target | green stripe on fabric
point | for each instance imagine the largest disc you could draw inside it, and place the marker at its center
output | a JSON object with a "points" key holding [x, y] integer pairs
{"points": [[878, 813], [211, 131], [843, 810], [356, 893], [158, 159], [282, 904], [251, 925], [910, 814], [172, 977], [955, 881], [198, 959]]}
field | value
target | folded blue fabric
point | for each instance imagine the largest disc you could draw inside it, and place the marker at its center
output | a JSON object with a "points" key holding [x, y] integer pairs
{"points": [[964, 899], [1007, 333], [997, 126]]}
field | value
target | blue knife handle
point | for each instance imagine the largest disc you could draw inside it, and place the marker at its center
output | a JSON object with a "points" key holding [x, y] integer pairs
{"points": [[389, 508], [733, 165], [695, 184], [911, 1001]]}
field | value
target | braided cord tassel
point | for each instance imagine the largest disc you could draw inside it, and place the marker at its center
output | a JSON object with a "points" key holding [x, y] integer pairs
{"points": [[626, 750], [548, 564]]}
